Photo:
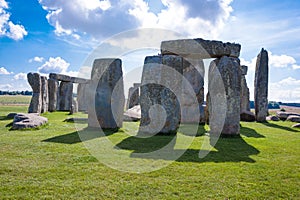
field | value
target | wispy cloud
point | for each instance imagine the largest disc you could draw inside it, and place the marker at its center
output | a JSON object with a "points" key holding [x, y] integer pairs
{"points": [[36, 59]]}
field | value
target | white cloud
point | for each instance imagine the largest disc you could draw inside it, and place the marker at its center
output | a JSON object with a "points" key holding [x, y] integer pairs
{"points": [[296, 66], [281, 61], [276, 61], [54, 65], [20, 76], [6, 86], [103, 18], [4, 71], [7, 27], [36, 59], [286, 90]]}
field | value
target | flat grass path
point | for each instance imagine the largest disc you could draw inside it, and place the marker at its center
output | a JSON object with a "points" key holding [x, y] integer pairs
{"points": [[53, 163]]}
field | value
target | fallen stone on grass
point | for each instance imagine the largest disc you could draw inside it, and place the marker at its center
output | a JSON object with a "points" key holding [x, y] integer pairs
{"points": [[247, 116], [284, 115], [133, 114], [272, 118], [293, 118], [31, 120], [296, 125]]}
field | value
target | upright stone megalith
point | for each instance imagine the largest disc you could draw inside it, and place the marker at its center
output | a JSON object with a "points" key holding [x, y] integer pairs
{"points": [[133, 96], [261, 86], [44, 91], [65, 96], [224, 90], [82, 97], [52, 94], [245, 94], [34, 79], [193, 73], [160, 94], [106, 94]]}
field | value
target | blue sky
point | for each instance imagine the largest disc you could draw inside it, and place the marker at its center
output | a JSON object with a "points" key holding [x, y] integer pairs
{"points": [[58, 35]]}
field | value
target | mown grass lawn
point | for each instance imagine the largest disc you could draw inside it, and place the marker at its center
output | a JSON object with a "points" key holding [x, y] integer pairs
{"points": [[53, 163], [14, 99]]}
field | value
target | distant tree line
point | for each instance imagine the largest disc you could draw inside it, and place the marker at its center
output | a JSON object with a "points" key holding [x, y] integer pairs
{"points": [[276, 105], [27, 93]]}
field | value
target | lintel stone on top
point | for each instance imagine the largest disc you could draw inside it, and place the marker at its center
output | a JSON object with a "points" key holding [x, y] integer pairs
{"points": [[66, 78], [200, 48]]}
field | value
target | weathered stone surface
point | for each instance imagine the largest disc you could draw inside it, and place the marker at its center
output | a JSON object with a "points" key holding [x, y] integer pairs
{"points": [[224, 90], [133, 114], [65, 96], [161, 81], [296, 125], [284, 115], [106, 94], [52, 94], [272, 118], [34, 79], [245, 94], [44, 91], [74, 108], [247, 116], [133, 97], [193, 88], [82, 97], [199, 48], [31, 120], [261, 86], [66, 78], [293, 118]]}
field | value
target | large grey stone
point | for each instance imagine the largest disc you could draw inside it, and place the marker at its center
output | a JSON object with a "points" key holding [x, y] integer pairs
{"points": [[34, 79], [52, 94], [82, 97], [293, 118], [66, 78], [160, 94], [44, 91], [245, 94], [284, 115], [31, 120], [199, 48], [133, 97], [193, 73], [65, 96], [261, 86], [224, 90], [296, 125], [247, 116], [106, 94]]}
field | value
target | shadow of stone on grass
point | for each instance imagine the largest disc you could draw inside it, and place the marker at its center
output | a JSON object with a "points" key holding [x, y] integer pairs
{"points": [[74, 137]]}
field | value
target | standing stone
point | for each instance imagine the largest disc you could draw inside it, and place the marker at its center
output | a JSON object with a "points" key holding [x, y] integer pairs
{"points": [[133, 97], [106, 94], [193, 72], [34, 79], [261, 86], [44, 90], [52, 94], [82, 97], [245, 94], [224, 90], [65, 96], [161, 85]]}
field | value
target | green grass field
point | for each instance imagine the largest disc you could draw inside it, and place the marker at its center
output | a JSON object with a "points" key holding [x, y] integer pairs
{"points": [[53, 163], [14, 99]]}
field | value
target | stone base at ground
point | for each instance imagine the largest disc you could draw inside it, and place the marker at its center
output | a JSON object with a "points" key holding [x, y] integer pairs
{"points": [[296, 125], [31, 120]]}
